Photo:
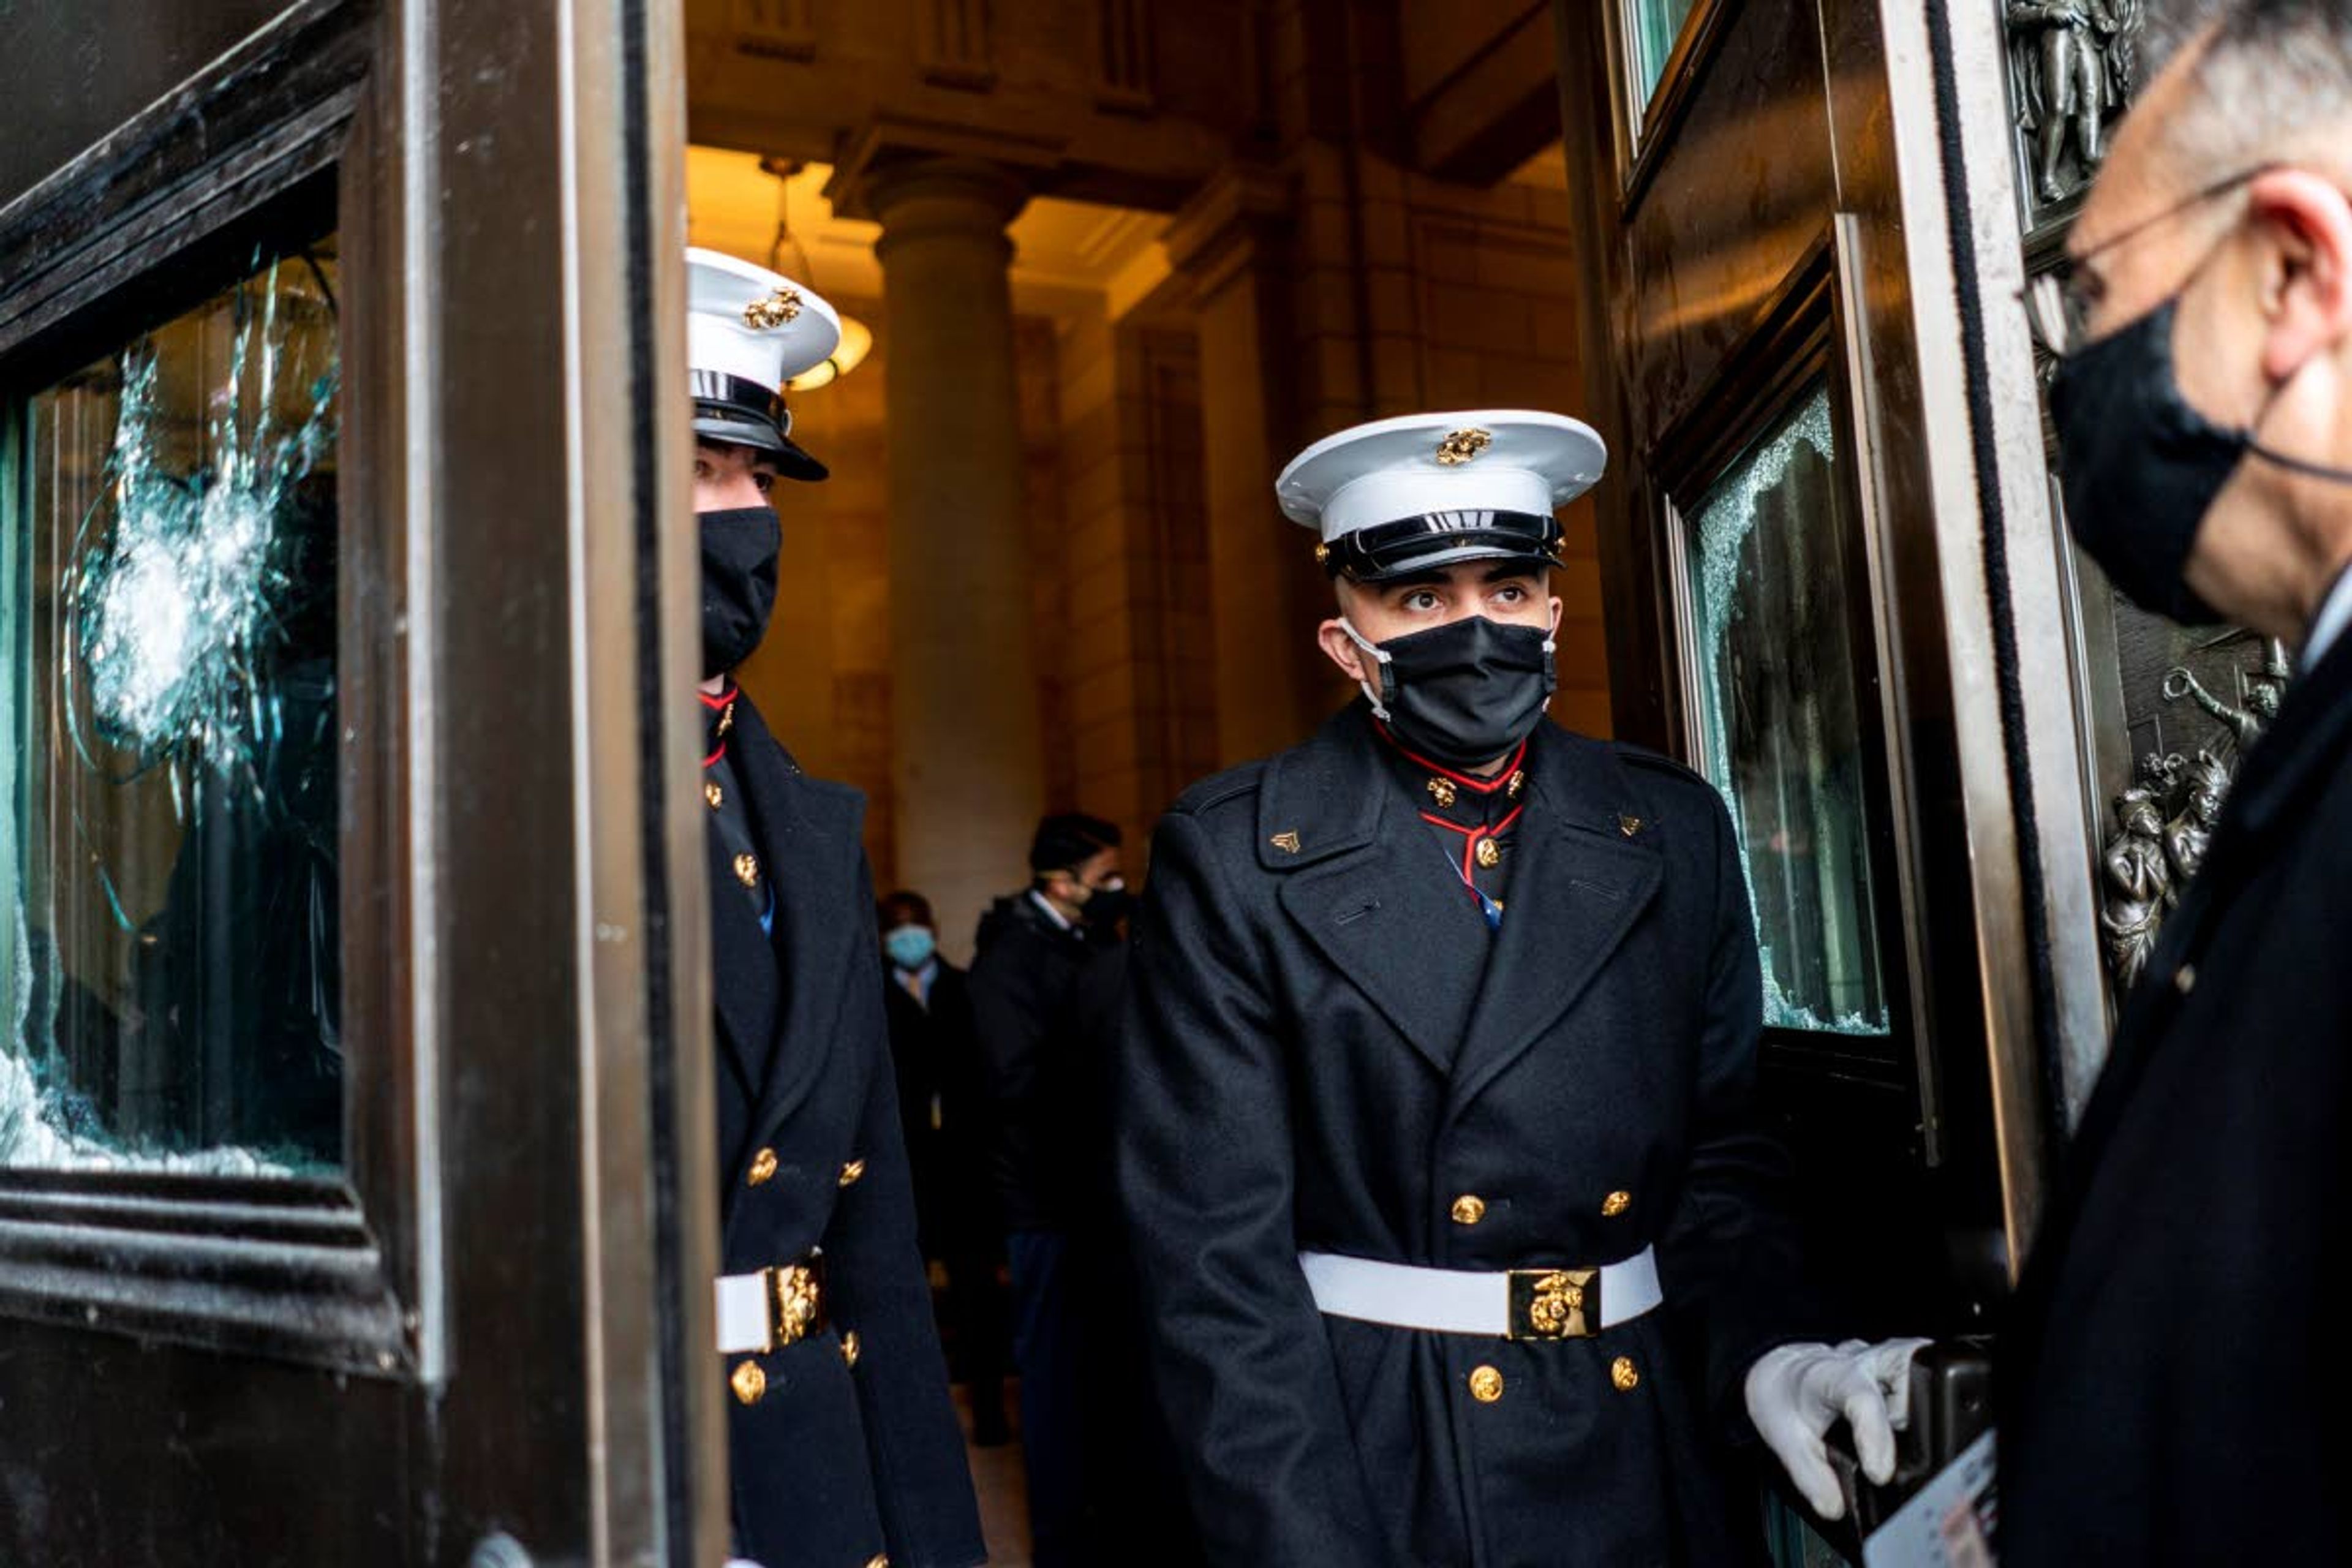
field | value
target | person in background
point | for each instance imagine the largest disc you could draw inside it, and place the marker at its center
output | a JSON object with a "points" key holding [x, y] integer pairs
{"points": [[1033, 948], [2170, 1386], [943, 1109]]}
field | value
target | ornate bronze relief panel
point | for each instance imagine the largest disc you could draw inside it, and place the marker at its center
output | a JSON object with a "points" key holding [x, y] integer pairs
{"points": [[2170, 709]]}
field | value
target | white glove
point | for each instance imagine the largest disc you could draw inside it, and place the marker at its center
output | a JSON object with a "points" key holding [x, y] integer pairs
{"points": [[1797, 1391]]}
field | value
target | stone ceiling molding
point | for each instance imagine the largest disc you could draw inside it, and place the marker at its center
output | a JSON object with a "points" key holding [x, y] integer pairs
{"points": [[1123, 56], [892, 143], [778, 29], [955, 44]]}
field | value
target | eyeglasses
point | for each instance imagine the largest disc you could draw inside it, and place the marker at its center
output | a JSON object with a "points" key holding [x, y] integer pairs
{"points": [[2058, 302]]}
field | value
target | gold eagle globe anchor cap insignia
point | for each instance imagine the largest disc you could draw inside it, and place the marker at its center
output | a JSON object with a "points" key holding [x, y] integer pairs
{"points": [[1397, 497]]}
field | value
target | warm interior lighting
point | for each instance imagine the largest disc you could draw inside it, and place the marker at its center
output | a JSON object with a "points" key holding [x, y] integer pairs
{"points": [[856, 341]]}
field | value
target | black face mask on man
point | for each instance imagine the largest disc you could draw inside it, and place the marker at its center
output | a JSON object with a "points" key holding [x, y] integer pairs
{"points": [[1464, 693], [739, 546], [1105, 906], [2141, 467]]}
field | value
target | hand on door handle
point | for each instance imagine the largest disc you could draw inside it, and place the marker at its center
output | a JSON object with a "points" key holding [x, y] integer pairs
{"points": [[1795, 1393]]}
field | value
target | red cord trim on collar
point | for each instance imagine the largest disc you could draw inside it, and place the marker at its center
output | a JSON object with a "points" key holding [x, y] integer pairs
{"points": [[1483, 786], [1480, 830], [719, 698]]}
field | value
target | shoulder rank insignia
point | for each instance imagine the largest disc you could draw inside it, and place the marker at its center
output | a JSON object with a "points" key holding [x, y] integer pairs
{"points": [[1629, 826], [1285, 842]]}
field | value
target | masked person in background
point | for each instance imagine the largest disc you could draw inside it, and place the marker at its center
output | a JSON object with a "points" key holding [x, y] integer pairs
{"points": [[1033, 948], [943, 1107], [1458, 1236], [2172, 1388], [843, 1447]]}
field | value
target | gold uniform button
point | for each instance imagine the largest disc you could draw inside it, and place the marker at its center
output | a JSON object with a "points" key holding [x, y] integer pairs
{"points": [[1469, 1209], [1615, 1203], [2185, 979], [850, 1349], [1490, 854], [747, 869], [1624, 1374], [713, 793], [879, 1560], [763, 1168], [851, 1172], [748, 1382], [1485, 1384]]}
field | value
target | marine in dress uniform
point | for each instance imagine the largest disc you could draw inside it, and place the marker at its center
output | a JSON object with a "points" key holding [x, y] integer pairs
{"points": [[1457, 1236], [844, 1448]]}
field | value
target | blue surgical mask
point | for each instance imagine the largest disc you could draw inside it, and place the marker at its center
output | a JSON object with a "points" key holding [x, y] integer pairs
{"points": [[910, 947]]}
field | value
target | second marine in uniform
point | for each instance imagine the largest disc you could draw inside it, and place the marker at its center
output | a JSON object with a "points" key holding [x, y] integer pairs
{"points": [[1458, 1236], [843, 1451]]}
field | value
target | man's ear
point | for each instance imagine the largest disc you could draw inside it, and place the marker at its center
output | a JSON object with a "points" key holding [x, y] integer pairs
{"points": [[2307, 283], [1341, 649]]}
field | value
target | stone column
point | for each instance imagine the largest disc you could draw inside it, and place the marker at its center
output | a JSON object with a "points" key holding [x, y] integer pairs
{"points": [[968, 767], [1230, 242]]}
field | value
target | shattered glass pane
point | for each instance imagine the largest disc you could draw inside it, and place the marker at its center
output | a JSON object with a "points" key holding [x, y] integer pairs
{"points": [[171, 969], [1656, 26], [1781, 724]]}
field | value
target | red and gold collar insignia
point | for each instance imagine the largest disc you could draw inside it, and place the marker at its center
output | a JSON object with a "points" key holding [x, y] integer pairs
{"points": [[1451, 795], [718, 719]]}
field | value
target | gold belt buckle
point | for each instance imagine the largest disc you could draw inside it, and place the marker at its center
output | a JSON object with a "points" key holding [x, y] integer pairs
{"points": [[1554, 1303], [796, 1292]]}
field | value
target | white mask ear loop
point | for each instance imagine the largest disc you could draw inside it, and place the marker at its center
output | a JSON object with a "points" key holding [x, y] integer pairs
{"points": [[1381, 662], [1551, 646]]}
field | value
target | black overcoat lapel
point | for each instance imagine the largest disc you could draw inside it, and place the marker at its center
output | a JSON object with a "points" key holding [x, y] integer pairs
{"points": [[1587, 866], [808, 836], [1370, 889]]}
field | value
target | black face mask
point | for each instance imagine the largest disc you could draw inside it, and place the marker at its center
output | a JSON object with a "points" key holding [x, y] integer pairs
{"points": [[2142, 467], [1105, 908], [739, 547], [1464, 693]]}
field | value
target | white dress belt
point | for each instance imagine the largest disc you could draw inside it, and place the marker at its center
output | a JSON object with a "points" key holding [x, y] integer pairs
{"points": [[747, 1319], [1461, 1302], [769, 1308]]}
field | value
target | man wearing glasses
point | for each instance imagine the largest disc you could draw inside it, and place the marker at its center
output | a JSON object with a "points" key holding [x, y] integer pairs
{"points": [[2173, 1387]]}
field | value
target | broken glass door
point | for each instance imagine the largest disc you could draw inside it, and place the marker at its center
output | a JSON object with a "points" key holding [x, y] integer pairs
{"points": [[171, 966], [1778, 694]]}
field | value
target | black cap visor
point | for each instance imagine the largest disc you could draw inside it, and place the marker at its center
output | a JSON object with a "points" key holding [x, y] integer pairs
{"points": [[736, 412], [1442, 539]]}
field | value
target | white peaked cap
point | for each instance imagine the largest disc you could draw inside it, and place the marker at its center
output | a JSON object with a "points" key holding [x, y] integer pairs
{"points": [[756, 325], [1509, 460]]}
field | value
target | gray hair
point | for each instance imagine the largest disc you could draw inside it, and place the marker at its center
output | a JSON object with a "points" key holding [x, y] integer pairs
{"points": [[2270, 80]]}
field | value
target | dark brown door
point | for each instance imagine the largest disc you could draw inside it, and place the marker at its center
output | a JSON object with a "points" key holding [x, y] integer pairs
{"points": [[1812, 603], [343, 829]]}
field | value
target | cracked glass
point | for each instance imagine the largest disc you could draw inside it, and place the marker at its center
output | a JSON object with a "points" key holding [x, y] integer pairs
{"points": [[170, 987], [1654, 27], [1778, 689]]}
